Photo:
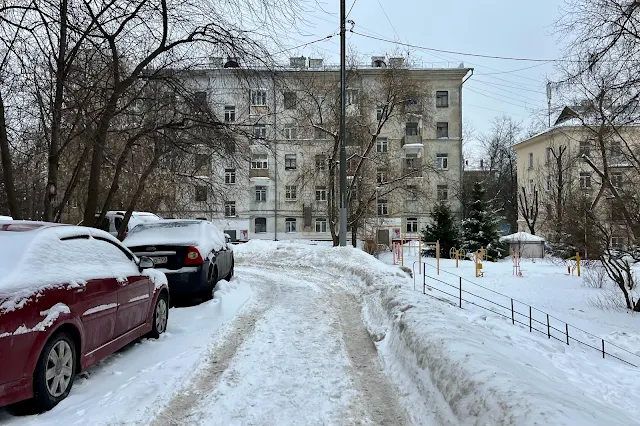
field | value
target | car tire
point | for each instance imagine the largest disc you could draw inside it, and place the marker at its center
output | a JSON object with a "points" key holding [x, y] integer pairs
{"points": [[160, 316], [231, 272], [55, 371], [211, 284]]}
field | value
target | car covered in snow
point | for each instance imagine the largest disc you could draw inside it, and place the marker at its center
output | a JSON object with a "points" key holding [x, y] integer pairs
{"points": [[69, 297], [5, 218], [113, 221], [194, 254]]}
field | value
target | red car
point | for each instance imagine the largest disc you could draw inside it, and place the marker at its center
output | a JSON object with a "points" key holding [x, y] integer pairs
{"points": [[69, 297]]}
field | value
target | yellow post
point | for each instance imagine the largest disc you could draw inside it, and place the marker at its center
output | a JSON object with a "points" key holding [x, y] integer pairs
{"points": [[438, 255], [578, 262], [457, 256]]}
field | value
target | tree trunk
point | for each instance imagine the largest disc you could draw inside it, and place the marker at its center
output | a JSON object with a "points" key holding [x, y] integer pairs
{"points": [[56, 118], [7, 165], [354, 235]]}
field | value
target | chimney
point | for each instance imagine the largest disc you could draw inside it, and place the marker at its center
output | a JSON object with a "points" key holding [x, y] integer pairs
{"points": [[378, 62], [315, 63], [215, 62]]}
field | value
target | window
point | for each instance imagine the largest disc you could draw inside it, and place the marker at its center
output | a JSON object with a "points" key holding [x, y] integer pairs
{"points": [[381, 144], [321, 193], [531, 160], [442, 99], [201, 193], [616, 212], [381, 176], [261, 193], [412, 193], [230, 208], [547, 155], [259, 97], [616, 179], [290, 161], [412, 225], [321, 225], [201, 161], [547, 186], [229, 147], [442, 161], [617, 241], [443, 192], [290, 133], [411, 162], [616, 150], [381, 113], [259, 161], [321, 164], [290, 192], [260, 225], [352, 96], [259, 131], [290, 100], [319, 134], [230, 176], [229, 113], [200, 99], [411, 129], [585, 180], [383, 208], [585, 148], [290, 224], [442, 129]]}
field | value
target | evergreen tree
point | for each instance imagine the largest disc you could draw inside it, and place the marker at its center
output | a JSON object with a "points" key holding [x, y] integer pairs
{"points": [[443, 228], [480, 227]]}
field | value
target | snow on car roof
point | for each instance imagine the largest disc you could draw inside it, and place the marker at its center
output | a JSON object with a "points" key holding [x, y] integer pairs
{"points": [[198, 233], [28, 248]]}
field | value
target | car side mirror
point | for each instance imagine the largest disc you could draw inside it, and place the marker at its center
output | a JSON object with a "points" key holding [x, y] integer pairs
{"points": [[145, 263]]}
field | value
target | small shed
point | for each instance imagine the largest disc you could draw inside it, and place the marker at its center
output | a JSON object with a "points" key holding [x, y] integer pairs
{"points": [[528, 245]]}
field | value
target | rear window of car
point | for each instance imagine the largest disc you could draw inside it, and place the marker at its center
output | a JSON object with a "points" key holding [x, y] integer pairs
{"points": [[13, 246], [166, 225]]}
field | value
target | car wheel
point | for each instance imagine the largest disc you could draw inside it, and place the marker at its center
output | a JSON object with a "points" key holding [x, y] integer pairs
{"points": [[160, 316], [231, 272], [211, 284], [55, 371]]}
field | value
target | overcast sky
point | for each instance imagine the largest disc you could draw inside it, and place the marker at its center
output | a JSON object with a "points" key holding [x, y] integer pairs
{"points": [[491, 27]]}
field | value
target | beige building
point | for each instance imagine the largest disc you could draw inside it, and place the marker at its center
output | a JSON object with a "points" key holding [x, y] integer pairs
{"points": [[277, 186], [553, 165]]}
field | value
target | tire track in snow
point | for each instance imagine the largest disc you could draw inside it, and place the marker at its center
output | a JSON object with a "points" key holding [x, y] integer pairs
{"points": [[220, 356]]}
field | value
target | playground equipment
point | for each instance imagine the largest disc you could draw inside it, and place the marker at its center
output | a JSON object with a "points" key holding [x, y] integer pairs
{"points": [[398, 248], [477, 259], [457, 254], [516, 264], [576, 266]]}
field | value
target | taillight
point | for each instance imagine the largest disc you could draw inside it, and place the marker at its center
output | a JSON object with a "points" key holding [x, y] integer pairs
{"points": [[193, 257]]}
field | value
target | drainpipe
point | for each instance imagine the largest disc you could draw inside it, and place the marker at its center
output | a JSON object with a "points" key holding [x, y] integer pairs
{"points": [[275, 162], [464, 80]]}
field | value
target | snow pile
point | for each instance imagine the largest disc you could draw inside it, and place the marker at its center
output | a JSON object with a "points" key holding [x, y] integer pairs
{"points": [[224, 288], [483, 369]]}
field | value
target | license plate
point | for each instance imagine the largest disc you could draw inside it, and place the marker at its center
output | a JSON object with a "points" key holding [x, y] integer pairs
{"points": [[159, 260]]}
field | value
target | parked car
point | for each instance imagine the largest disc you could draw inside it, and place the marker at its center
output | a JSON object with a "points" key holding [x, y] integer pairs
{"points": [[69, 297], [6, 218], [193, 254], [113, 220]]}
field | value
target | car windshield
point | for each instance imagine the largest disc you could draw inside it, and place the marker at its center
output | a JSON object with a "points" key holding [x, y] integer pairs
{"points": [[13, 246]]}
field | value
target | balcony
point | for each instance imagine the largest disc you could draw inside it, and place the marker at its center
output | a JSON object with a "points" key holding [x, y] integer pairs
{"points": [[259, 173], [411, 140], [412, 171]]}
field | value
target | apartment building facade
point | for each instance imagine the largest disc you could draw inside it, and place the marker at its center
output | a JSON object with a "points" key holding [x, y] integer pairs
{"points": [[275, 183], [552, 163]]}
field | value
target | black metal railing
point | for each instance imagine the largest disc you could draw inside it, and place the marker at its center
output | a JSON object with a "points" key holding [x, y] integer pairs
{"points": [[532, 318]]}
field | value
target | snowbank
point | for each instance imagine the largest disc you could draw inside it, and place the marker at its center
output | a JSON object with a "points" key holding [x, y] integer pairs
{"points": [[483, 369]]}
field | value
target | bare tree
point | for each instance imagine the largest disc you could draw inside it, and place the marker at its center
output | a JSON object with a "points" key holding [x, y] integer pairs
{"points": [[529, 208]]}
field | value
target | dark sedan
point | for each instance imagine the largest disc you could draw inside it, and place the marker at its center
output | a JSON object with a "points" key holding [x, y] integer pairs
{"points": [[193, 254]]}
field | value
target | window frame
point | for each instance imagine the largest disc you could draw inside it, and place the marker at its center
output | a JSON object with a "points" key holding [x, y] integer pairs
{"points": [[382, 144], [260, 193], [291, 192], [290, 161], [257, 159], [442, 161], [229, 113], [230, 208], [259, 131], [409, 127], [321, 193], [230, 176], [382, 207], [255, 225], [442, 192], [440, 125], [287, 225], [258, 97], [321, 223], [585, 180], [411, 225], [439, 97]]}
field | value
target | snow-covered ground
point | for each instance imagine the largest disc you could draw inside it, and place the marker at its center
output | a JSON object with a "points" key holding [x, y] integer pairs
{"points": [[308, 334]]}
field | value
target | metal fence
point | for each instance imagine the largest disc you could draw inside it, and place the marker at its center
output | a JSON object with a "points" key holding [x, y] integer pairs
{"points": [[520, 313]]}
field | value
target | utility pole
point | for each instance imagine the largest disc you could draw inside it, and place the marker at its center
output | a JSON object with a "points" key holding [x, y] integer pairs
{"points": [[342, 236]]}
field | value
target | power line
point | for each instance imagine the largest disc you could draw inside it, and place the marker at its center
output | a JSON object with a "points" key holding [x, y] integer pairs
{"points": [[454, 52], [521, 99], [351, 8], [388, 20], [306, 44], [520, 95], [495, 110], [512, 71], [498, 85], [497, 99]]}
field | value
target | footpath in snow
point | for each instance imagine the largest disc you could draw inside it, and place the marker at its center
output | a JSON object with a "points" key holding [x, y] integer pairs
{"points": [[469, 362]]}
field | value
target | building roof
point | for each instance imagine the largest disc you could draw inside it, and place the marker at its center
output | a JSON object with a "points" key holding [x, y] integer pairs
{"points": [[522, 237]]}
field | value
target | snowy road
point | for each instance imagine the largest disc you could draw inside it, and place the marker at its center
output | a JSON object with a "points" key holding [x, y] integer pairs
{"points": [[301, 355]]}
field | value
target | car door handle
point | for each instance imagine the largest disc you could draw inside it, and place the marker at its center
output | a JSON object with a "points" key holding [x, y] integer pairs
{"points": [[80, 290], [123, 283]]}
